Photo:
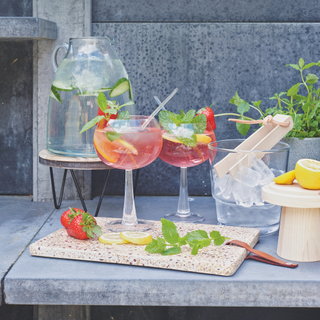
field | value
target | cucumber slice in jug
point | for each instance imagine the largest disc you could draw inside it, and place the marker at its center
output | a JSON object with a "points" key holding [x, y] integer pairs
{"points": [[55, 94], [119, 88]]}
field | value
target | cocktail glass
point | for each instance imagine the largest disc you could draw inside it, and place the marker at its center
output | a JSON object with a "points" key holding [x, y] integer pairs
{"points": [[179, 154], [123, 145]]}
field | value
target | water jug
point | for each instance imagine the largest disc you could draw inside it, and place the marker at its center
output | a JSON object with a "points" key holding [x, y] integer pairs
{"points": [[90, 66]]}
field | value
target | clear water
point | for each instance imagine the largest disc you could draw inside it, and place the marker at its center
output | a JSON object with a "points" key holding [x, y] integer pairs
{"points": [[78, 84]]}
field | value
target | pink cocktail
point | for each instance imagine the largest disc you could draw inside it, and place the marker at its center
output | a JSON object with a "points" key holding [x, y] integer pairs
{"points": [[124, 145]]}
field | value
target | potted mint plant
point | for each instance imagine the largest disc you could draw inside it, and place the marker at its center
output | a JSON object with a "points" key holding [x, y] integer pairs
{"points": [[302, 103]]}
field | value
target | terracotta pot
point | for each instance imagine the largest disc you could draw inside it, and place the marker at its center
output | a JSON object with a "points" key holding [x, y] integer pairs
{"points": [[308, 148]]}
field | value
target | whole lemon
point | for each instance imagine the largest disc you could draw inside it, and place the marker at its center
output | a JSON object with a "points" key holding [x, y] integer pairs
{"points": [[308, 173]]}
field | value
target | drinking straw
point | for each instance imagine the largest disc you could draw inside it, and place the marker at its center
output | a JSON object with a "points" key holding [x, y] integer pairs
{"points": [[154, 113], [159, 102]]}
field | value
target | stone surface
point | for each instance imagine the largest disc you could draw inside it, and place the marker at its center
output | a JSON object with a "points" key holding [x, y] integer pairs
{"points": [[22, 28], [16, 8], [206, 11], [208, 62], [21, 219], [36, 280]]}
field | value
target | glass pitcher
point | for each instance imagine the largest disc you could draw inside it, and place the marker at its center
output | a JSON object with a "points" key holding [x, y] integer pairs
{"points": [[90, 66]]}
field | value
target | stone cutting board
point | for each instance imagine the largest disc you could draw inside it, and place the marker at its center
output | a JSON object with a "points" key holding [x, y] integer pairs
{"points": [[223, 260]]}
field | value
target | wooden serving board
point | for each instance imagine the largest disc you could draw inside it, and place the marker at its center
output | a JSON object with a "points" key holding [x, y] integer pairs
{"points": [[221, 260]]}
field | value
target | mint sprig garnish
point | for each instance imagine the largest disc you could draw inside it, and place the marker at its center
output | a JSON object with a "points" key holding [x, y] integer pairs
{"points": [[171, 242], [171, 121]]}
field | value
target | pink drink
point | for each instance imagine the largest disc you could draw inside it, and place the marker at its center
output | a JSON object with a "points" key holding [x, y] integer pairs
{"points": [[132, 150], [180, 155]]}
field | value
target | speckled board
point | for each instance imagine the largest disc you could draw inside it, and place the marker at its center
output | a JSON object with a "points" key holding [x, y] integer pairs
{"points": [[219, 260]]}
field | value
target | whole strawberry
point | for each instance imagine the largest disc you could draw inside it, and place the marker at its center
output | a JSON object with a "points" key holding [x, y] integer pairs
{"points": [[210, 117], [83, 226], [68, 215]]}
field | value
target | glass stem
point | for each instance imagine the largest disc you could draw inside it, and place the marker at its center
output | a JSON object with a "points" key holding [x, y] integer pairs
{"points": [[129, 209], [183, 204]]}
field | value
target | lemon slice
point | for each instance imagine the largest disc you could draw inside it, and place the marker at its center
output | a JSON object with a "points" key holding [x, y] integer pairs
{"points": [[286, 178], [112, 238], [308, 173], [170, 137], [203, 138], [128, 146], [106, 152], [137, 237]]}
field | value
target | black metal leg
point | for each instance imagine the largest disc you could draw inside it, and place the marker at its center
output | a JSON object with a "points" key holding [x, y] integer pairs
{"points": [[102, 194], [136, 182], [57, 205], [79, 190]]}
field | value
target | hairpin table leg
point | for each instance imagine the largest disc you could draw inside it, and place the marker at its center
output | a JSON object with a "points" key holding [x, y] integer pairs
{"points": [[79, 190], [57, 205], [102, 194]]}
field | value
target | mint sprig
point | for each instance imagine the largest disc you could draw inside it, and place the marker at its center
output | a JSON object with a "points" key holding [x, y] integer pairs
{"points": [[171, 242]]}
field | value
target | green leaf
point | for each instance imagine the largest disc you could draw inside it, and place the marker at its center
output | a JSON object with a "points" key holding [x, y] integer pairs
{"points": [[91, 123], [294, 66], [243, 107], [129, 103], [196, 235], [199, 123], [169, 231], [309, 65], [113, 135], [188, 116], [182, 113], [256, 103], [156, 246], [236, 100], [204, 243], [165, 120], [219, 241], [175, 119], [215, 234], [195, 250], [102, 102], [171, 251], [182, 241], [243, 128], [301, 62], [311, 78], [190, 142], [293, 90], [123, 115]]}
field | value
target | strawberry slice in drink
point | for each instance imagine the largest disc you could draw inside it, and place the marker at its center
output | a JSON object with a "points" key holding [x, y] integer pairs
{"points": [[104, 122]]}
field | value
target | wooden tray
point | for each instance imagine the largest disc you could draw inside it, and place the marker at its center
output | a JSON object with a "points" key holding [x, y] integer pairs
{"points": [[223, 260]]}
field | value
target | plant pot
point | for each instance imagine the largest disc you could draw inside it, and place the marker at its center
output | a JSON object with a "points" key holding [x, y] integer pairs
{"points": [[308, 148]]}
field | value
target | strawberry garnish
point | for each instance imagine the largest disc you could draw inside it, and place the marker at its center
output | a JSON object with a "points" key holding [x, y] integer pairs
{"points": [[210, 117], [68, 215], [83, 226], [104, 122]]}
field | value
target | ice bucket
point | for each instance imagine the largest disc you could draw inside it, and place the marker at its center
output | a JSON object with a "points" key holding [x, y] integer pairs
{"points": [[238, 197]]}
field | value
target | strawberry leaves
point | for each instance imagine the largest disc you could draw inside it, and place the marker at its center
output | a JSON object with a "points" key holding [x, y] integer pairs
{"points": [[196, 239]]}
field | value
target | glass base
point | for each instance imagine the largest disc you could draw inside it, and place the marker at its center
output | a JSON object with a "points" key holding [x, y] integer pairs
{"points": [[189, 218], [117, 226]]}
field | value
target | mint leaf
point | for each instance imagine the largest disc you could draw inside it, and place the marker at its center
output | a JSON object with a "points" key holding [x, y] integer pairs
{"points": [[169, 231], [175, 119], [311, 78], [215, 234], [199, 123], [219, 241], [301, 62], [293, 90], [165, 120], [243, 128], [243, 107], [91, 123], [171, 251], [309, 65], [182, 113], [195, 250], [196, 235], [190, 142], [188, 116], [123, 115], [156, 246], [113, 136], [236, 100], [102, 102], [294, 66]]}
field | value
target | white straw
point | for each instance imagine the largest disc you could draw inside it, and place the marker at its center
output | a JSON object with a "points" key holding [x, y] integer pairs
{"points": [[154, 113]]}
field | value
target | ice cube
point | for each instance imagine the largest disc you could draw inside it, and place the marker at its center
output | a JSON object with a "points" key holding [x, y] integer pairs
{"points": [[184, 132], [225, 184], [248, 177], [257, 196], [215, 190], [243, 194], [266, 174]]}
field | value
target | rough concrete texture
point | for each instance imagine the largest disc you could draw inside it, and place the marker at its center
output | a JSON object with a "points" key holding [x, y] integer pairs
{"points": [[36, 280], [208, 62], [70, 18], [27, 29], [21, 219], [206, 11]]}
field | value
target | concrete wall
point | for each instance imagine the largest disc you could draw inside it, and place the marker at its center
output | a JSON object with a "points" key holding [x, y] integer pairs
{"points": [[209, 50]]}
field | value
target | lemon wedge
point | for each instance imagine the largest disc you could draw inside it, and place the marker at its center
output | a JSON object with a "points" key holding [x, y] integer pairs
{"points": [[105, 151], [128, 146], [308, 173], [112, 238], [201, 138], [286, 178], [136, 237]]}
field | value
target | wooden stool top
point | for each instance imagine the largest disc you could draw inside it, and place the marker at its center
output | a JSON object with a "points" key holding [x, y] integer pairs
{"points": [[292, 196], [49, 159]]}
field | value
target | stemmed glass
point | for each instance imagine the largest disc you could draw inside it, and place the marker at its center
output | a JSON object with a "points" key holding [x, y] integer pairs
{"points": [[128, 145], [178, 154]]}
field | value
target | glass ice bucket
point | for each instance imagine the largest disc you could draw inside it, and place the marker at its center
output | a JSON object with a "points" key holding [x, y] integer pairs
{"points": [[90, 66], [238, 198]]}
